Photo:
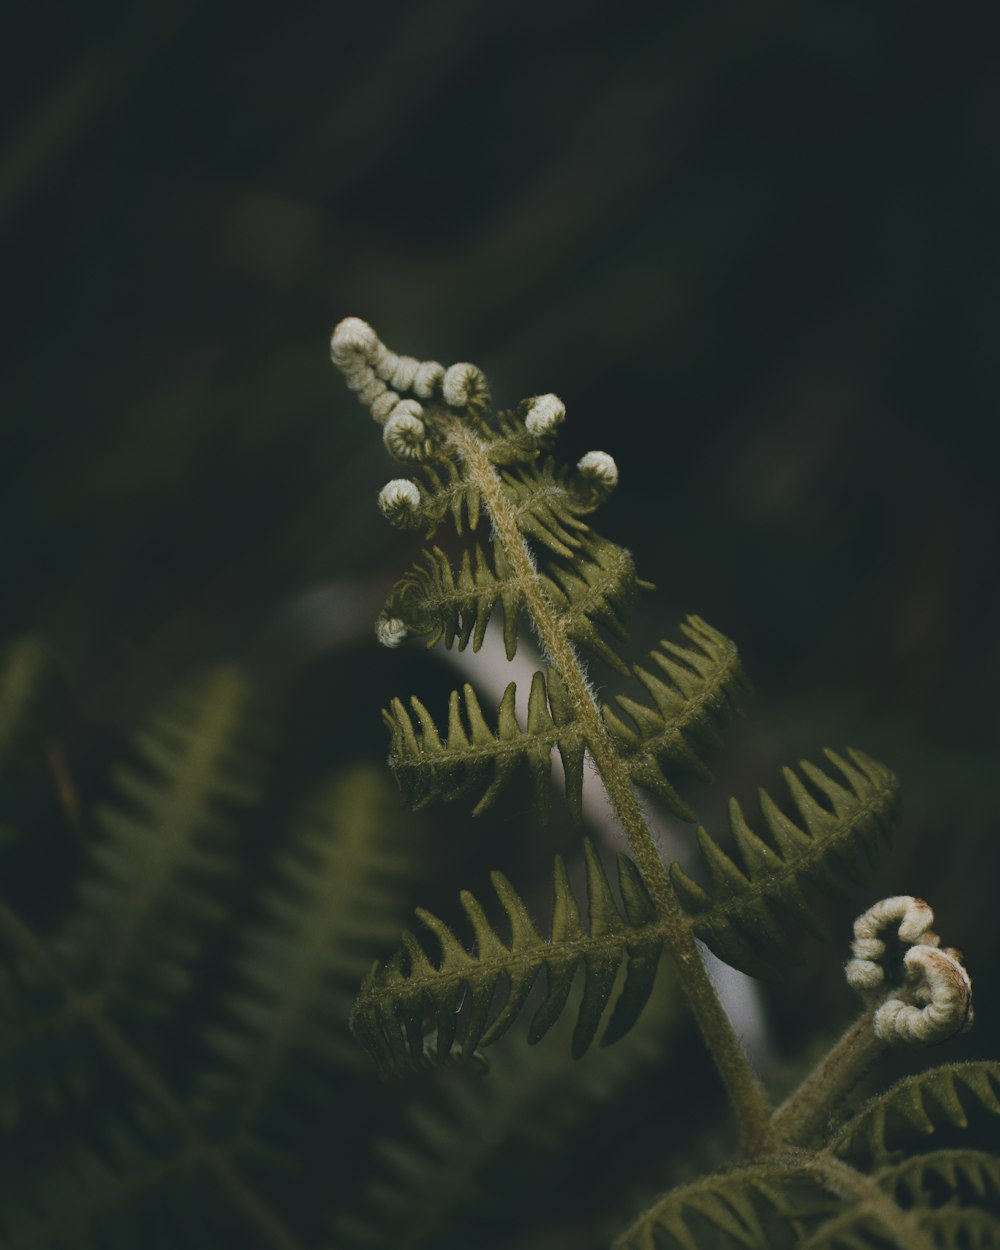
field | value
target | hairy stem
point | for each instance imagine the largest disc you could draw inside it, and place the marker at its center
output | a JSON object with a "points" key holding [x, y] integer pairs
{"points": [[254, 1211], [749, 1099], [804, 1112]]}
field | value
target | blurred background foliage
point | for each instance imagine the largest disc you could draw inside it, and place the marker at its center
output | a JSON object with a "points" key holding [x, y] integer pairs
{"points": [[751, 244]]}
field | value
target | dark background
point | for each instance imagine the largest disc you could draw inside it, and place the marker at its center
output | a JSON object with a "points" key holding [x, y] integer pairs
{"points": [[752, 245]]}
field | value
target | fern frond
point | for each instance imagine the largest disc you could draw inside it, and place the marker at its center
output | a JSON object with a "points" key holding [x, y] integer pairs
{"points": [[969, 1229], [833, 840], [333, 900], [456, 604], [457, 992], [166, 842], [427, 766], [943, 1228], [740, 1203], [695, 693], [941, 1095], [466, 1155], [971, 1174]]}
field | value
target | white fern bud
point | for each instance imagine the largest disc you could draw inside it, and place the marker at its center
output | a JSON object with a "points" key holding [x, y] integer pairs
{"points": [[464, 386], [545, 413], [427, 378], [935, 998], [404, 432], [939, 1004], [353, 339], [912, 918], [399, 500], [600, 471], [390, 631]]}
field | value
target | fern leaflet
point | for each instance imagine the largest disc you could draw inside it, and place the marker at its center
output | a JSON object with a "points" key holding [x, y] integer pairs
{"points": [[389, 1018], [452, 604], [738, 917], [695, 693], [921, 1102], [429, 767], [736, 1203]]}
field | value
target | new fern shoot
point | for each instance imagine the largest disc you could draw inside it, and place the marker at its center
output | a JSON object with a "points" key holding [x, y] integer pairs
{"points": [[803, 1177]]}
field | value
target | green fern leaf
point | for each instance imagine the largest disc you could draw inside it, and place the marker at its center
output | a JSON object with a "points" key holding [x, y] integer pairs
{"points": [[427, 766], [962, 1230], [973, 1175], [456, 604], [549, 502], [166, 843], [941, 1095], [740, 1204], [836, 839], [599, 589], [944, 1228], [332, 900], [695, 692], [457, 992]]}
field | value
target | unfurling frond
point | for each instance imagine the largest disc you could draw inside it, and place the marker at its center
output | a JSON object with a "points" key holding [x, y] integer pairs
{"points": [[456, 604], [834, 840], [452, 996], [942, 1095], [738, 1205], [695, 692], [428, 766], [165, 842]]}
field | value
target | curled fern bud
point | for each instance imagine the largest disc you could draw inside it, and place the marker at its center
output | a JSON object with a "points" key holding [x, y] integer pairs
{"points": [[399, 500], [352, 340], [599, 470], [427, 378], [913, 919], [940, 1001], [545, 412], [390, 631], [465, 386], [404, 432], [935, 998]]}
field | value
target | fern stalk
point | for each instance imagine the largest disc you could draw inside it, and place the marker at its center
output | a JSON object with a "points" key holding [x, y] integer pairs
{"points": [[805, 1110], [750, 1102]]}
